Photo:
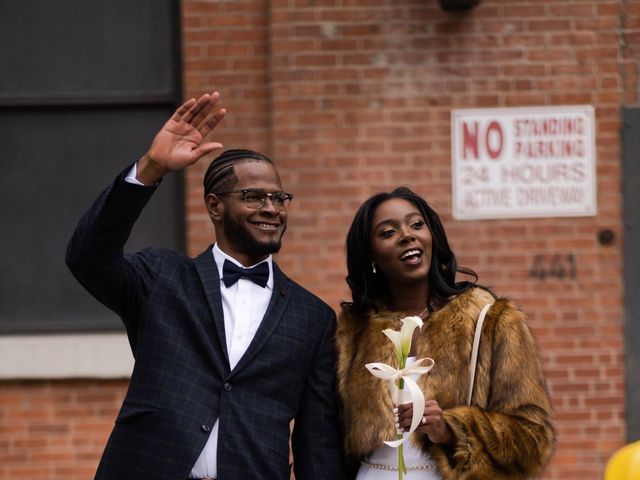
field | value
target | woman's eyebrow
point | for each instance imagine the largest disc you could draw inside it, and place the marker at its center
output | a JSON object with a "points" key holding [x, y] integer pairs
{"points": [[388, 221]]}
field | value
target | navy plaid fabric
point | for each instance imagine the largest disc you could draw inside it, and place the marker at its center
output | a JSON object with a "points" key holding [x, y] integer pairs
{"points": [[181, 383]]}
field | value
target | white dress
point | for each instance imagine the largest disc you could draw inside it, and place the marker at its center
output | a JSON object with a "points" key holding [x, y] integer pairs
{"points": [[419, 465]]}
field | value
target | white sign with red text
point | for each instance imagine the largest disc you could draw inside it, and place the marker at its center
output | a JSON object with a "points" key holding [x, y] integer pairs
{"points": [[523, 162]]}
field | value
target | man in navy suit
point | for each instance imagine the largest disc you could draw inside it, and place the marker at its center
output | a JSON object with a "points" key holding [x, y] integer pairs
{"points": [[228, 350]]}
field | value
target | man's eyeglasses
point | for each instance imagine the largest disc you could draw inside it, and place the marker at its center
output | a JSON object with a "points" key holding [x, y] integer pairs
{"points": [[255, 197]]}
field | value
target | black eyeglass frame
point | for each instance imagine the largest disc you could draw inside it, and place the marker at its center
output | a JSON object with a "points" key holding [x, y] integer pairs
{"points": [[284, 197]]}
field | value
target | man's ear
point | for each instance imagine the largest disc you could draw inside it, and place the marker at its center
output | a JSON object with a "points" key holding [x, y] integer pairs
{"points": [[215, 207]]}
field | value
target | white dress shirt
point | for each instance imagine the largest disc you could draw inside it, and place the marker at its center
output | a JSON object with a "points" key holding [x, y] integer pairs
{"points": [[243, 304], [131, 176]]}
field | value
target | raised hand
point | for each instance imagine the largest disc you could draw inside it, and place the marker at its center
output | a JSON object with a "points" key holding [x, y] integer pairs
{"points": [[179, 143]]}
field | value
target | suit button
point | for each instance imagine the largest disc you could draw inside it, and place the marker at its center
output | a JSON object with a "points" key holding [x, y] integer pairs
{"points": [[205, 428], [227, 387]]}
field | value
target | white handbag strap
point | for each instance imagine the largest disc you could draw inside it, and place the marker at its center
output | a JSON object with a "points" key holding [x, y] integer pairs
{"points": [[474, 351]]}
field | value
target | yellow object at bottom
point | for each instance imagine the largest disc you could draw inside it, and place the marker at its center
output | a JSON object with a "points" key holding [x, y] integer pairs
{"points": [[624, 464]]}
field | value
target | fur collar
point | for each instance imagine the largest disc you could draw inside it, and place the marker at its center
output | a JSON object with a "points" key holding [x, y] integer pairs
{"points": [[366, 404]]}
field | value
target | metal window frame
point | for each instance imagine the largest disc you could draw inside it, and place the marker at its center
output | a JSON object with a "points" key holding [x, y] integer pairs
{"points": [[631, 202]]}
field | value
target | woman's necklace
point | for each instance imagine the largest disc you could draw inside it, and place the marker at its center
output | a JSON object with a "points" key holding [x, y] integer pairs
{"points": [[426, 312]]}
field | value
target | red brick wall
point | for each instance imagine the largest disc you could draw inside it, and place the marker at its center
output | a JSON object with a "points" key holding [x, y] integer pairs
{"points": [[226, 48], [55, 430], [351, 97]]}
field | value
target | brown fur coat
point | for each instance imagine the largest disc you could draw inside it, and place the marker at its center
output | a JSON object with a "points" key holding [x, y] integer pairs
{"points": [[506, 433]]}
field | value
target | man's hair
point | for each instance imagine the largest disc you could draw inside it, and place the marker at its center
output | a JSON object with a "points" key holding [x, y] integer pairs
{"points": [[221, 174]]}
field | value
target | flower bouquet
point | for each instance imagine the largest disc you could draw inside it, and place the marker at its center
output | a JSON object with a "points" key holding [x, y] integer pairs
{"points": [[401, 377]]}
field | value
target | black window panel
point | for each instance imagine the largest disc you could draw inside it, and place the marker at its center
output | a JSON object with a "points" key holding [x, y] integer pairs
{"points": [[84, 86], [88, 51], [631, 192], [55, 162]]}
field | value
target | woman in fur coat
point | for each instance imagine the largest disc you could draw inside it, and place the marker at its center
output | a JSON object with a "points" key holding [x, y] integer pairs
{"points": [[399, 264]]}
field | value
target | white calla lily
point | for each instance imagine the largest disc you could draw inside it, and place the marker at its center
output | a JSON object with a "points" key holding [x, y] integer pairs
{"points": [[402, 339], [396, 338], [409, 324], [397, 377]]}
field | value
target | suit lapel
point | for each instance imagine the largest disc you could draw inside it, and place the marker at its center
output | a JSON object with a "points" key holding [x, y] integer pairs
{"points": [[208, 271], [273, 315]]}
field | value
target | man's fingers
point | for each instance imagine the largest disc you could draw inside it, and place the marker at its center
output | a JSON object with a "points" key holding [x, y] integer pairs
{"points": [[211, 122], [183, 109], [196, 111], [197, 107], [201, 108]]}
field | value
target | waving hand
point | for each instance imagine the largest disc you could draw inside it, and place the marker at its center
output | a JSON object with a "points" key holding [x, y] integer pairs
{"points": [[181, 141]]}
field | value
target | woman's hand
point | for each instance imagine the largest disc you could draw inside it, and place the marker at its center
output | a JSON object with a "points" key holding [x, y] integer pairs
{"points": [[433, 424]]}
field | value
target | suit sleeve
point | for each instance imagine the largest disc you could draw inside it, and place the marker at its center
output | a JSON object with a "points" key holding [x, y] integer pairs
{"points": [[513, 433], [316, 442], [95, 252]]}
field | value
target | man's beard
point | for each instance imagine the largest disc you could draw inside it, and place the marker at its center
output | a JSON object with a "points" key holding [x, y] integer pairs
{"points": [[244, 242]]}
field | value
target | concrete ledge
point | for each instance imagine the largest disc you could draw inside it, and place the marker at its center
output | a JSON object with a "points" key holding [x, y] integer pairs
{"points": [[65, 356]]}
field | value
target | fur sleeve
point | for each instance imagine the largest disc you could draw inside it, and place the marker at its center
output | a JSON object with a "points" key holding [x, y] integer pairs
{"points": [[507, 431], [365, 403]]}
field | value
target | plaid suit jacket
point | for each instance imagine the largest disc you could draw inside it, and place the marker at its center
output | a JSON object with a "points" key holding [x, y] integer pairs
{"points": [[181, 383]]}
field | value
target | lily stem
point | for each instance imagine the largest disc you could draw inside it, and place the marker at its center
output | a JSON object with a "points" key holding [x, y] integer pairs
{"points": [[401, 466]]}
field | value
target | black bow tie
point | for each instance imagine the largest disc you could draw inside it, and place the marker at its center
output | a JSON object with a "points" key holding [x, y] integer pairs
{"points": [[231, 273]]}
